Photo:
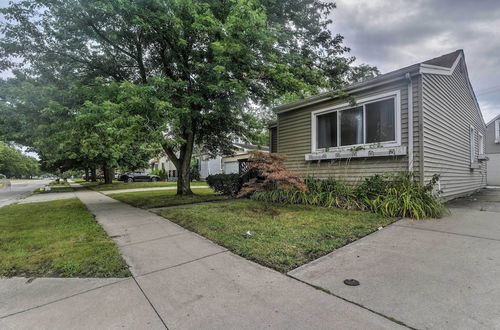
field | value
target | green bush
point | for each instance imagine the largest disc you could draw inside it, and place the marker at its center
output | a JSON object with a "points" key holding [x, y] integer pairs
{"points": [[404, 197], [393, 196], [372, 187], [226, 184], [194, 172]]}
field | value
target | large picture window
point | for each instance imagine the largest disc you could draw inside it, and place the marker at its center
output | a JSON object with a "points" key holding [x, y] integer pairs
{"points": [[374, 121]]}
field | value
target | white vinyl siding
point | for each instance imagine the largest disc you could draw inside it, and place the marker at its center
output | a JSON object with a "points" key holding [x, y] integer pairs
{"points": [[295, 139], [449, 110]]}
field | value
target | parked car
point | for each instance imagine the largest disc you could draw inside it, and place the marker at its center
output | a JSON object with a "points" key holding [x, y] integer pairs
{"points": [[139, 176]]}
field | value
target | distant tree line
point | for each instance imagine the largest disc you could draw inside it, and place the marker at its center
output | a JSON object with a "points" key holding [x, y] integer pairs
{"points": [[15, 164]]}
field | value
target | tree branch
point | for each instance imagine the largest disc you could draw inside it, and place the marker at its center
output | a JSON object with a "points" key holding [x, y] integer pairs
{"points": [[171, 155]]}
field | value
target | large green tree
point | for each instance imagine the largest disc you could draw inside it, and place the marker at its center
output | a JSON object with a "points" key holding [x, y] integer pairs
{"points": [[13, 163], [193, 65], [74, 125]]}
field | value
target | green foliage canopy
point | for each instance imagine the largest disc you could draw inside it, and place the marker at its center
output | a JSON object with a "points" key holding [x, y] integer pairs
{"points": [[190, 67]]}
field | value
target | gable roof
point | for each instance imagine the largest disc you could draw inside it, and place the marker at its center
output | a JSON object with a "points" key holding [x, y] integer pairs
{"points": [[249, 146], [493, 120], [444, 64], [445, 61]]}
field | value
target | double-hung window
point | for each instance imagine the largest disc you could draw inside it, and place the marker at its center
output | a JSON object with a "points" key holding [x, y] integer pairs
{"points": [[497, 131], [373, 121], [481, 143], [472, 137]]}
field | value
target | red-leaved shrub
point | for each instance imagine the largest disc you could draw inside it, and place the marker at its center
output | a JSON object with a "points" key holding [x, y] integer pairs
{"points": [[271, 174]]}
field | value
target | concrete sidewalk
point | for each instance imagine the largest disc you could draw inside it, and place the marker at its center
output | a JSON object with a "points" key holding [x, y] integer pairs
{"points": [[429, 274], [183, 281]]}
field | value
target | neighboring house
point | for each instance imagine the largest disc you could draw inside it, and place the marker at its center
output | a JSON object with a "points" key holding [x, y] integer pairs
{"points": [[227, 164], [493, 151], [423, 118], [163, 163], [211, 165]]}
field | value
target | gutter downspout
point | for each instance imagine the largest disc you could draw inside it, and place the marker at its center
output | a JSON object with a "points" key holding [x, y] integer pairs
{"points": [[410, 122]]}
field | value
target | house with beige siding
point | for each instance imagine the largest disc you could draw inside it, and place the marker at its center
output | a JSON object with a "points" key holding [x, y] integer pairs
{"points": [[423, 118], [492, 151]]}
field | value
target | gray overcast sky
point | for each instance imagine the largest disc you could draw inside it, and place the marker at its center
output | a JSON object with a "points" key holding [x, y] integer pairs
{"points": [[395, 33]]}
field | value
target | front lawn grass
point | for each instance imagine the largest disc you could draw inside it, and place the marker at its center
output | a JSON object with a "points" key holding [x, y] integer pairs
{"points": [[99, 186], [57, 239], [164, 198], [281, 237]]}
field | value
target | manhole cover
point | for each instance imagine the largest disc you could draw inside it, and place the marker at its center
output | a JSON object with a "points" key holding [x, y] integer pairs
{"points": [[351, 282]]}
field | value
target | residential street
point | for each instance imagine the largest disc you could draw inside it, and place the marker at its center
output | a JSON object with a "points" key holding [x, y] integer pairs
{"points": [[19, 189]]}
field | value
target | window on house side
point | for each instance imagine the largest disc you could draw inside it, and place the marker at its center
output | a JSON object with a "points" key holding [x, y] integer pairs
{"points": [[327, 130], [497, 131], [380, 121], [481, 144], [472, 133], [351, 126]]}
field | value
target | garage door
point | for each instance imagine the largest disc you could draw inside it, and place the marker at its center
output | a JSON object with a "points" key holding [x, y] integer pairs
{"points": [[493, 170], [231, 167]]}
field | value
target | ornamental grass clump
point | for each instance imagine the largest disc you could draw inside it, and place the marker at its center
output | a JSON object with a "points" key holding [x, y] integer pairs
{"points": [[404, 197], [326, 193], [389, 195]]}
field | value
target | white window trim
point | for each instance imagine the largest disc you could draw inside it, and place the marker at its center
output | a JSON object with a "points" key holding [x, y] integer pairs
{"points": [[497, 131], [359, 102], [480, 144], [472, 137]]}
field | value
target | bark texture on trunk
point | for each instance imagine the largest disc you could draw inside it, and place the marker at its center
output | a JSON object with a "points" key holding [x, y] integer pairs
{"points": [[184, 182], [183, 164], [108, 175], [93, 175]]}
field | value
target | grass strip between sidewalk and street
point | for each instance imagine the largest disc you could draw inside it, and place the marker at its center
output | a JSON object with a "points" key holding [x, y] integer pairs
{"points": [[164, 198], [281, 237], [56, 239]]}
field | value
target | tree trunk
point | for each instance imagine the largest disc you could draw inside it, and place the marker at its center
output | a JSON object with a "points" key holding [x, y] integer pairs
{"points": [[93, 175], [184, 181], [108, 175], [87, 174], [183, 164]]}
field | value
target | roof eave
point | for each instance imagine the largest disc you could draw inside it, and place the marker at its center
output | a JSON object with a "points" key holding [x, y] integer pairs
{"points": [[377, 81]]}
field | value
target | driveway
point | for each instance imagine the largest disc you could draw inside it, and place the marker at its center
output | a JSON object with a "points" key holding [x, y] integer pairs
{"points": [[431, 274]]}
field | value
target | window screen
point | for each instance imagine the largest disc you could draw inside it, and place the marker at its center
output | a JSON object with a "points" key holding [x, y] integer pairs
{"points": [[327, 130]]}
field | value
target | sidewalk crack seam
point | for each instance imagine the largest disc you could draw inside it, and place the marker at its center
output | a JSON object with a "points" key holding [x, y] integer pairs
{"points": [[181, 264], [153, 239], [390, 318], [447, 232], [63, 298], [150, 303]]}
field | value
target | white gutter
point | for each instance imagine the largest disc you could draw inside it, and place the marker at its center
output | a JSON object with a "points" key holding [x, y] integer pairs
{"points": [[410, 122]]}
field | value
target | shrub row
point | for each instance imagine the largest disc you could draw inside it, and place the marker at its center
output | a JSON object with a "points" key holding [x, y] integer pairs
{"points": [[394, 196], [226, 184]]}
